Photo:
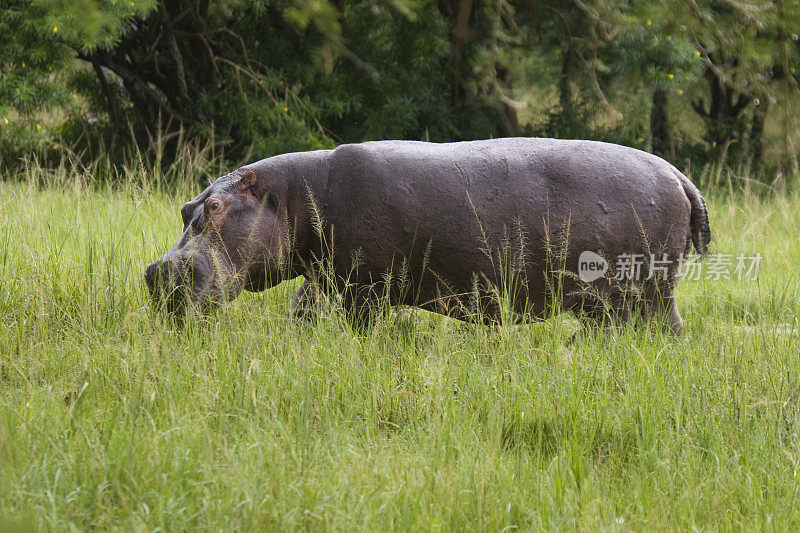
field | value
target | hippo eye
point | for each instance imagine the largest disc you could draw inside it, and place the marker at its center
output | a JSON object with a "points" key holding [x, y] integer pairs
{"points": [[213, 205]]}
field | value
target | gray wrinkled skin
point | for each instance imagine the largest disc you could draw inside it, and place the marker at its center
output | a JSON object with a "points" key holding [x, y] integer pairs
{"points": [[441, 227]]}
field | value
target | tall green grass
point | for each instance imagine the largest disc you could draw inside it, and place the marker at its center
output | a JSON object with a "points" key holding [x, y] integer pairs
{"points": [[114, 417]]}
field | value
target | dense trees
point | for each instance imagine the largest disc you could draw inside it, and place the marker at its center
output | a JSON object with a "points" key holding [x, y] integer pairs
{"points": [[693, 80]]}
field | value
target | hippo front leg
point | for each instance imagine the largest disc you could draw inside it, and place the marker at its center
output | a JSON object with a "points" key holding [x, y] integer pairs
{"points": [[304, 301]]}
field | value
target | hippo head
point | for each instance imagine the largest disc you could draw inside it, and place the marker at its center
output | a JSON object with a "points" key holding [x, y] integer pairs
{"points": [[235, 236]]}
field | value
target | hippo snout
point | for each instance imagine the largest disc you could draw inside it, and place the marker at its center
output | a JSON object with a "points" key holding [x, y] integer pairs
{"points": [[176, 282], [150, 274]]}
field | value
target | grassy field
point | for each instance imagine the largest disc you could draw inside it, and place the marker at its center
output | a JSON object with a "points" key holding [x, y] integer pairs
{"points": [[112, 417]]}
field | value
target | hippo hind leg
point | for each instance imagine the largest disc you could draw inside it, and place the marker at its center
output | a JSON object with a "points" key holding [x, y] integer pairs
{"points": [[659, 305]]}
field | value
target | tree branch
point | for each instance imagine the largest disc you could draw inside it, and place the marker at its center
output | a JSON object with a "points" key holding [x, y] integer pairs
{"points": [[112, 105]]}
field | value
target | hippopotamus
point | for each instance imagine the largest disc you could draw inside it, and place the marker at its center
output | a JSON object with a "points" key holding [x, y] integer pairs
{"points": [[512, 228]]}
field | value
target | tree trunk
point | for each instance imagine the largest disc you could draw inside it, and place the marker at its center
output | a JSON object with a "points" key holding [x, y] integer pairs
{"points": [[756, 134], [510, 121], [459, 38], [660, 132], [566, 93], [112, 104], [724, 126]]}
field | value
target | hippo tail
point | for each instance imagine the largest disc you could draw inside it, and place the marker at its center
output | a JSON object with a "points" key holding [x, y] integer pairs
{"points": [[698, 221]]}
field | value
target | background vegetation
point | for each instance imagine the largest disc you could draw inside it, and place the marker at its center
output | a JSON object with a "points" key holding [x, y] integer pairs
{"points": [[698, 81]]}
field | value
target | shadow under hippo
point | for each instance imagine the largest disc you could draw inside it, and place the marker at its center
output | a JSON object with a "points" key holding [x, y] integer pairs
{"points": [[460, 229]]}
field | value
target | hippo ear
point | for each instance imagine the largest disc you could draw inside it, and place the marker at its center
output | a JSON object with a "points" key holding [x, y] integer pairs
{"points": [[250, 185]]}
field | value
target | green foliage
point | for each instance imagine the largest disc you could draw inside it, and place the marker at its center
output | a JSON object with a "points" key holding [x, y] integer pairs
{"points": [[31, 59], [87, 25], [659, 60], [259, 78], [37, 59], [747, 66], [397, 88]]}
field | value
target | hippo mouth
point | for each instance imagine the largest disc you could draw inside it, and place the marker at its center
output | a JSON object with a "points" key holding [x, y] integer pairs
{"points": [[182, 286]]}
